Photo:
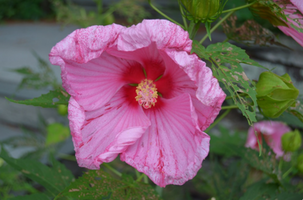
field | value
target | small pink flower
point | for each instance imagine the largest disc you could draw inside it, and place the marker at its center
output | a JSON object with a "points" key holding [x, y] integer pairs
{"points": [[139, 93], [272, 132], [294, 12]]}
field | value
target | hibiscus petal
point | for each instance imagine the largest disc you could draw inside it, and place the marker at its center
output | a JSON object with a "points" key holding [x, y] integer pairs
{"points": [[272, 132], [173, 147], [83, 45], [293, 33], [93, 83], [190, 75], [163, 33], [89, 74], [100, 135], [298, 4]]}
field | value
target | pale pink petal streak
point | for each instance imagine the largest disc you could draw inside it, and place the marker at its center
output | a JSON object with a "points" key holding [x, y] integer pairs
{"points": [[161, 32], [173, 147], [190, 75], [298, 4], [87, 72], [105, 132], [295, 18], [94, 83]]}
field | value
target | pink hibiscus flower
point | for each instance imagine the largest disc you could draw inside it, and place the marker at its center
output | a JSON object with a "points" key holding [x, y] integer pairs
{"points": [[272, 132], [139, 93], [294, 12]]}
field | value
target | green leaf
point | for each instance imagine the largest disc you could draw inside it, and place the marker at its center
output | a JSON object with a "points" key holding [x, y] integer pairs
{"points": [[266, 162], [37, 196], [41, 78], [97, 184], [56, 132], [260, 190], [53, 179], [226, 62], [269, 191], [49, 100], [221, 144], [288, 196]]}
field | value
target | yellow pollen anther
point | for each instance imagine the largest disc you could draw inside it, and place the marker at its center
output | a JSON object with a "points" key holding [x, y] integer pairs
{"points": [[146, 94]]}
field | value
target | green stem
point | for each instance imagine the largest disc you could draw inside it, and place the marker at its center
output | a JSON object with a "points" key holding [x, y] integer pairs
{"points": [[193, 29], [239, 8], [217, 120], [140, 177], [280, 164], [112, 169], [67, 157], [216, 26], [145, 179], [137, 174], [228, 107], [161, 13], [159, 190], [182, 13], [287, 172]]}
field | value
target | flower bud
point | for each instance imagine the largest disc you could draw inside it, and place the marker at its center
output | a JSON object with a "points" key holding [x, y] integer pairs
{"points": [[62, 109], [275, 93], [201, 10], [300, 163], [291, 141]]}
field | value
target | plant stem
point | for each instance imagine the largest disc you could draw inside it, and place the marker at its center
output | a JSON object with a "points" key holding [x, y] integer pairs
{"points": [[216, 26], [228, 107], [140, 177], [239, 8], [159, 190], [182, 13], [67, 157], [112, 169], [161, 13], [287, 172], [145, 179], [217, 120], [193, 29]]}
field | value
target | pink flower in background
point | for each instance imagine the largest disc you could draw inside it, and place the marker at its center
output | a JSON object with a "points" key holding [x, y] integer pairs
{"points": [[139, 93], [272, 132], [293, 10]]}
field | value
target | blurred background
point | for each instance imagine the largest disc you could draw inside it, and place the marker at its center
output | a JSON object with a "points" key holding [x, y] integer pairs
{"points": [[28, 31]]}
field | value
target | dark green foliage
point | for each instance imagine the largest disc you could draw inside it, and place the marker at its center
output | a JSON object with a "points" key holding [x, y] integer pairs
{"points": [[37, 196], [24, 9], [49, 100], [42, 78], [226, 60], [10, 180], [97, 184], [54, 179]]}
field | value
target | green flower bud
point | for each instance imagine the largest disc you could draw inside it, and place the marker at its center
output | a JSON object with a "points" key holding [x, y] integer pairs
{"points": [[62, 109], [300, 163], [291, 141], [202, 10], [275, 93]]}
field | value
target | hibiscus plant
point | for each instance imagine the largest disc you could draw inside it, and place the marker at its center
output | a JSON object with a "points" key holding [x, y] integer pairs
{"points": [[151, 94]]}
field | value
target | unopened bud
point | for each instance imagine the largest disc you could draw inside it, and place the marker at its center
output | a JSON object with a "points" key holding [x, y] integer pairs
{"points": [[275, 93], [300, 163], [291, 141], [201, 10]]}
